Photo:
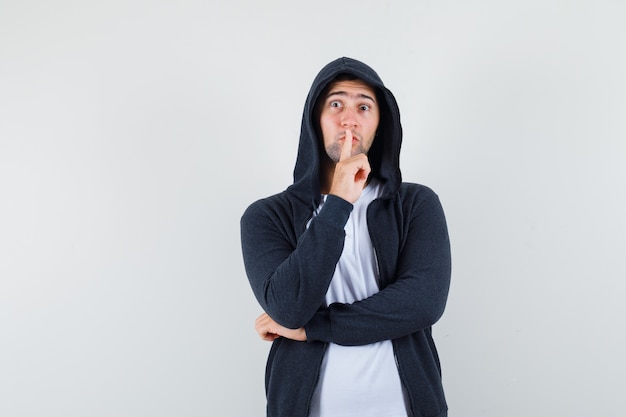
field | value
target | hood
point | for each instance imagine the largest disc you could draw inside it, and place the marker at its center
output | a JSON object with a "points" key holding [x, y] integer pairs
{"points": [[384, 155]]}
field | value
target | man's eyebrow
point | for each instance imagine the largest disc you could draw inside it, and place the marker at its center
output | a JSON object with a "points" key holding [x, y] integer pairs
{"points": [[343, 93]]}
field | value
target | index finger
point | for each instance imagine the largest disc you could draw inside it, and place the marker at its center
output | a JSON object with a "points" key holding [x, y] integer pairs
{"points": [[346, 150]]}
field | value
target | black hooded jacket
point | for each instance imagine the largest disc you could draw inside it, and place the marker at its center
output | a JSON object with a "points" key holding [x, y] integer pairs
{"points": [[290, 266]]}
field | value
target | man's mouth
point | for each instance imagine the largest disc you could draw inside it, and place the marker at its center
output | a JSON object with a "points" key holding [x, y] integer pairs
{"points": [[342, 138]]}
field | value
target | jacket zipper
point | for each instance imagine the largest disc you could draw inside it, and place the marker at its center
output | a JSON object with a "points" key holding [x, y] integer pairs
{"points": [[393, 342], [404, 387], [376, 261], [317, 380], [378, 279]]}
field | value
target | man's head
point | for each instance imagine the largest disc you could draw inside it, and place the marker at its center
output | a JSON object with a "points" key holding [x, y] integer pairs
{"points": [[348, 103], [322, 132]]}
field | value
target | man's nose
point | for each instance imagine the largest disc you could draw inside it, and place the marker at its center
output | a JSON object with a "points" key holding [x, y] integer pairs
{"points": [[348, 117]]}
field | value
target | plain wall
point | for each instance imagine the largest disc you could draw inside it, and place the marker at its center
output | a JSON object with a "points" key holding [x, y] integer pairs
{"points": [[133, 134]]}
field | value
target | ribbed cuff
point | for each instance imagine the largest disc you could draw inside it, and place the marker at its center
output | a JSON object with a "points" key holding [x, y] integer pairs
{"points": [[335, 211]]}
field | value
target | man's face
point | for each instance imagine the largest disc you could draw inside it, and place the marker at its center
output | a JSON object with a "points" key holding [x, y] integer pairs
{"points": [[349, 105]]}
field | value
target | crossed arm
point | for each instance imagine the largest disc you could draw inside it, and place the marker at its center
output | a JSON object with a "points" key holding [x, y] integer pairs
{"points": [[292, 294], [415, 299]]}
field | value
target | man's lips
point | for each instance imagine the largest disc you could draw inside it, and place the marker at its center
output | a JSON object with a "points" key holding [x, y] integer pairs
{"points": [[342, 138]]}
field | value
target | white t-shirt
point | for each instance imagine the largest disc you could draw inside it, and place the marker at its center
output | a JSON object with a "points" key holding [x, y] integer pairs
{"points": [[358, 381]]}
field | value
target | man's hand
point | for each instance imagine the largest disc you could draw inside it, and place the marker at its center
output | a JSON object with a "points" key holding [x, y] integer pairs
{"points": [[351, 172], [269, 330]]}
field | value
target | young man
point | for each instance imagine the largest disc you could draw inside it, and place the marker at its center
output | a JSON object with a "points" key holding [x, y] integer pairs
{"points": [[350, 264]]}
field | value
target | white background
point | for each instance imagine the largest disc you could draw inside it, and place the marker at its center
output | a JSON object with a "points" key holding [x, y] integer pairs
{"points": [[133, 134]]}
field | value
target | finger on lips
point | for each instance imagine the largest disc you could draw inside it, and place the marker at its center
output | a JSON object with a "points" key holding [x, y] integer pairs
{"points": [[346, 150]]}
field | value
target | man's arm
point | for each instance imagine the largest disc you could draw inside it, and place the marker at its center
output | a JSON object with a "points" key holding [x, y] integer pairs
{"points": [[290, 278], [290, 274], [415, 301]]}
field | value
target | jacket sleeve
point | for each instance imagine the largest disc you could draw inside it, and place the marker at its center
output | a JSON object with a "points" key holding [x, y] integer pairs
{"points": [[414, 300], [290, 276]]}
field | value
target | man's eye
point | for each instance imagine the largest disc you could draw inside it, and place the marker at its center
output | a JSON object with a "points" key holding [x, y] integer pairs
{"points": [[335, 104], [364, 107]]}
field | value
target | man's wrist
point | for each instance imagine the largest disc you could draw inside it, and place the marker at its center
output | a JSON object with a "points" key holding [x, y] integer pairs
{"points": [[336, 211]]}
